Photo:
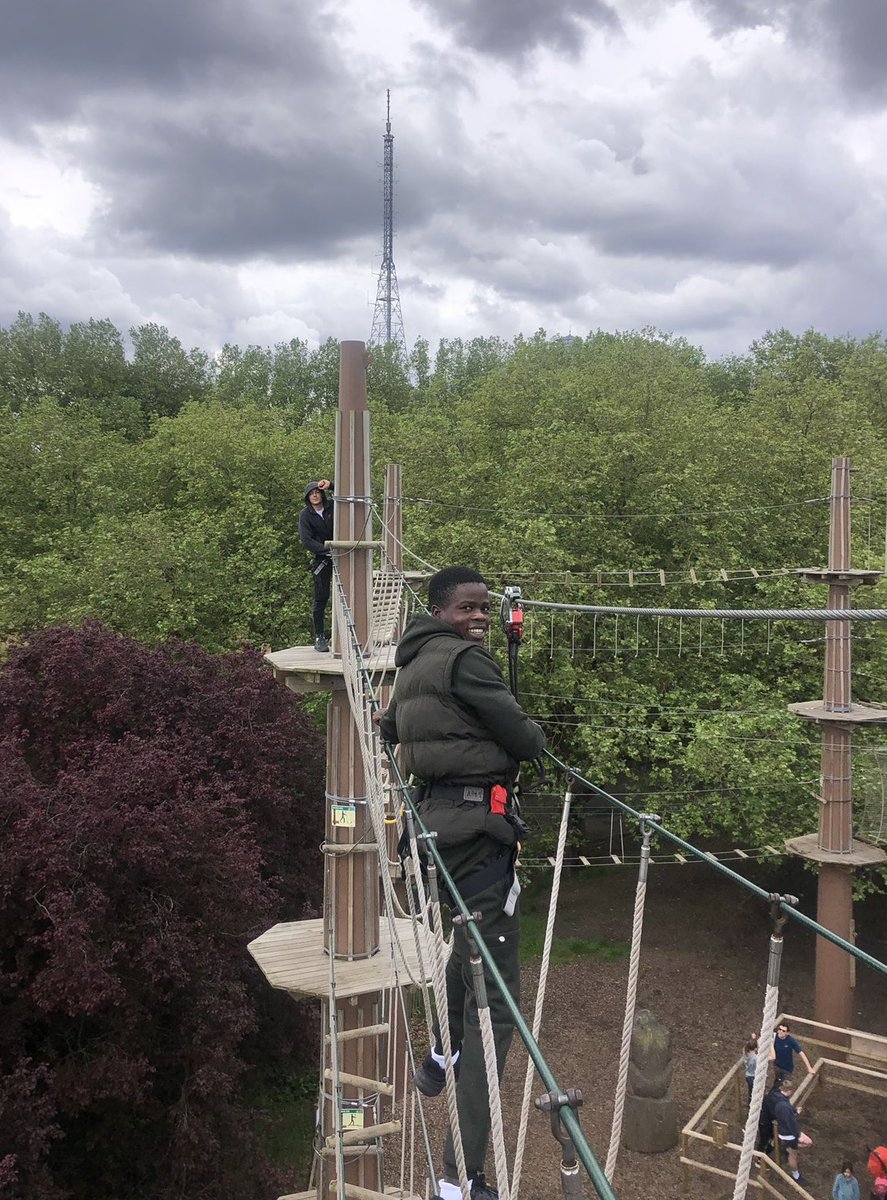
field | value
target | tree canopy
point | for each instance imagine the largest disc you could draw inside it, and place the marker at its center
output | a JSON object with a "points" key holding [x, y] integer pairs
{"points": [[579, 467], [159, 808]]}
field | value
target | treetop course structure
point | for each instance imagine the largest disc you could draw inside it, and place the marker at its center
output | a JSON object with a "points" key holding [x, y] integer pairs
{"points": [[370, 946]]}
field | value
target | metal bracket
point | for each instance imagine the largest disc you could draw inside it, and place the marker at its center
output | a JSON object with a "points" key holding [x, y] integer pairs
{"points": [[552, 1103]]}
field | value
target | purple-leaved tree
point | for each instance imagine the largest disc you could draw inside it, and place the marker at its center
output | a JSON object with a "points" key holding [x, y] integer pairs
{"points": [[158, 809]]}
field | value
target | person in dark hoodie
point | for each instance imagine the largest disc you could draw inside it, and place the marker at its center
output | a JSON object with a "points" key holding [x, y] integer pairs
{"points": [[463, 735], [789, 1129], [315, 530]]}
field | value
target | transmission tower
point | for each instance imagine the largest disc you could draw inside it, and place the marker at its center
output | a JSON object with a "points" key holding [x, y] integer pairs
{"points": [[387, 317]]}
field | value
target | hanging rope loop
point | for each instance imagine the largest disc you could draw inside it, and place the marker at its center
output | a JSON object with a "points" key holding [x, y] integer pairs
{"points": [[768, 1024]]}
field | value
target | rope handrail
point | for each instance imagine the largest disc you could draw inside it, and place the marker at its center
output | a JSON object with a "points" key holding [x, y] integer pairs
{"points": [[584, 1151], [690, 849]]}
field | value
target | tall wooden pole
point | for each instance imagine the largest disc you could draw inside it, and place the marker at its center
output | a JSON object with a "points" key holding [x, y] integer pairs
{"points": [[834, 909], [351, 880]]}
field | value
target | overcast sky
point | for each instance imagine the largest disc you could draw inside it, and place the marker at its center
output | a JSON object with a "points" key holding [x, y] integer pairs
{"points": [[714, 168]]}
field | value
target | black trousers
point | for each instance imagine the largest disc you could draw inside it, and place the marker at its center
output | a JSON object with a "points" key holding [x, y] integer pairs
{"points": [[322, 574], [502, 935]]}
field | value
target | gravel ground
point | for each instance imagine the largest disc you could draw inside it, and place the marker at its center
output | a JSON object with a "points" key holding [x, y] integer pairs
{"points": [[702, 973]]}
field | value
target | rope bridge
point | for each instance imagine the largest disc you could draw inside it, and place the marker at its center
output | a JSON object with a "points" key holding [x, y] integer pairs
{"points": [[424, 909]]}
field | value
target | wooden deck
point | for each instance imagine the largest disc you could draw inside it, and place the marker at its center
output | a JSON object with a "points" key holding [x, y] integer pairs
{"points": [[303, 669], [859, 714], [861, 855], [291, 957]]}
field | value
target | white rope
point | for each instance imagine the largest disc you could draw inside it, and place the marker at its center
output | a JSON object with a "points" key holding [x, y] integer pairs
{"points": [[415, 1096], [416, 879], [496, 1128], [746, 1156], [540, 994], [440, 1000], [334, 1055], [630, 1002], [403, 1126], [370, 749]]}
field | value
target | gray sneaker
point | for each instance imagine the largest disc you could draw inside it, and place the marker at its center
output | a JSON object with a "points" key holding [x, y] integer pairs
{"points": [[321, 645]]}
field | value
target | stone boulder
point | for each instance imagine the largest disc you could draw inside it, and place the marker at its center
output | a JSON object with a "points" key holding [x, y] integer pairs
{"points": [[650, 1122]]}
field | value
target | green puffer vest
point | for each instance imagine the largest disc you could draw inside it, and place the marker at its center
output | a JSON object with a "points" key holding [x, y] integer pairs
{"points": [[440, 740]]}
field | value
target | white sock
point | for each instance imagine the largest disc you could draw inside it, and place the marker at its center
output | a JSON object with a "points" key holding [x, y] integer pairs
{"points": [[440, 1060], [448, 1191], [796, 1174]]}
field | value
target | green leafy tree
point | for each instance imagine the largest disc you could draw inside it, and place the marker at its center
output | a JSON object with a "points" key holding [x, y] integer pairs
{"points": [[163, 376]]}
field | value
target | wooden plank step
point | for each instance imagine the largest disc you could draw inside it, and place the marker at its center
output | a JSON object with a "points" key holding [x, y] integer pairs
{"points": [[360, 1081], [353, 1137], [350, 1035], [348, 847], [358, 1193], [351, 1153]]}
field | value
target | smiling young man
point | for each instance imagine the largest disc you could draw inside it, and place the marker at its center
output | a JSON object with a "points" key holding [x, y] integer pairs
{"points": [[463, 735]]}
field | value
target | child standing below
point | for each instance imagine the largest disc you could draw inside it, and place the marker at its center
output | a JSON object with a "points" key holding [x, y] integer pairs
{"points": [[750, 1054], [846, 1185]]}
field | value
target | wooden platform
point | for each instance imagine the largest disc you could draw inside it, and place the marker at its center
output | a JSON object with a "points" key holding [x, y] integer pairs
{"points": [[852, 576], [859, 714], [862, 854], [291, 957], [304, 669]]}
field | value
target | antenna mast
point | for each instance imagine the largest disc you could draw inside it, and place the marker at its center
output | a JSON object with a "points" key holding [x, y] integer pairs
{"points": [[387, 317]]}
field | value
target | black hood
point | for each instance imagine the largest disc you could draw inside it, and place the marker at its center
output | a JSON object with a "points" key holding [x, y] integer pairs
{"points": [[309, 487], [421, 629]]}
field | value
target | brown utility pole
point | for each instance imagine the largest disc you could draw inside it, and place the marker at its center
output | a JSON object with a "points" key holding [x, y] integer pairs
{"points": [[295, 955], [834, 848]]}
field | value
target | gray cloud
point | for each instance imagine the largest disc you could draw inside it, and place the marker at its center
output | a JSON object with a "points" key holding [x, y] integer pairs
{"points": [[512, 29], [726, 16], [236, 153], [54, 55], [848, 37], [210, 190], [858, 31]]}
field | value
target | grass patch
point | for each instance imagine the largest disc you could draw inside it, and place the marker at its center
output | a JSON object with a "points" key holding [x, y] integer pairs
{"points": [[287, 1105], [565, 949]]}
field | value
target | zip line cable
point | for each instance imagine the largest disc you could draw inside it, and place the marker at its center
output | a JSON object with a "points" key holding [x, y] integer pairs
{"points": [[661, 831], [725, 614], [547, 512], [746, 614]]}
